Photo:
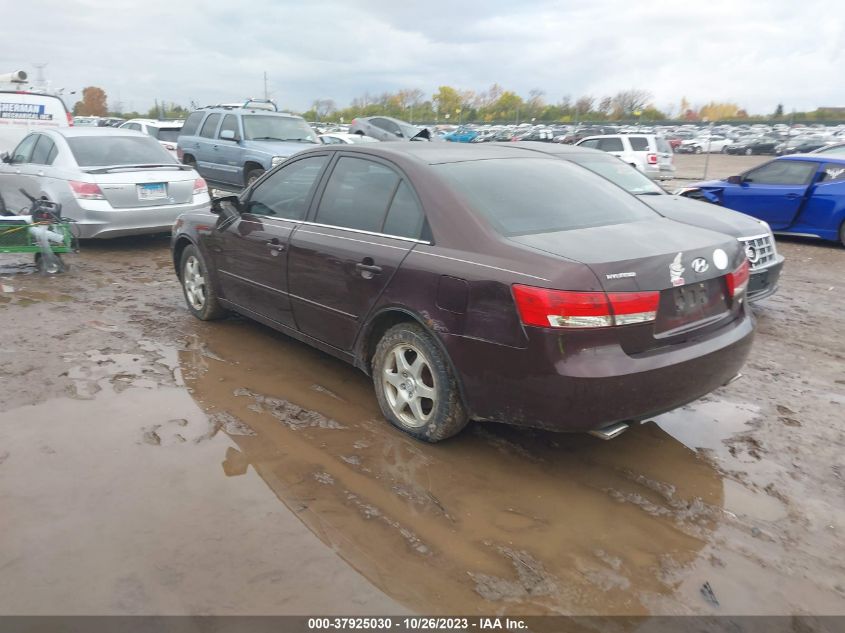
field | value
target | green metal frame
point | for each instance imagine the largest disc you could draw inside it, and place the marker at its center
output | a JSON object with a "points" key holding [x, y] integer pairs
{"points": [[16, 238]]}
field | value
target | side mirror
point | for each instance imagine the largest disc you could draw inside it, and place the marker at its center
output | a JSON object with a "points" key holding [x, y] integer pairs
{"points": [[228, 135], [6, 157], [227, 207], [735, 180]]}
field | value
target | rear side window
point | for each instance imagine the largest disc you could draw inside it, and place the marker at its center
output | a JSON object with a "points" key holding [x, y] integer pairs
{"points": [[357, 195], [638, 143], [613, 144], [833, 172], [107, 151], [210, 126], [171, 134], [286, 192], [192, 123], [404, 218], [783, 172], [531, 195], [45, 151]]}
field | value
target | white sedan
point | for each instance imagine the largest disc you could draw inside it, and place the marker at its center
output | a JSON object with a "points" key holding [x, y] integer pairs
{"points": [[716, 144], [343, 138]]}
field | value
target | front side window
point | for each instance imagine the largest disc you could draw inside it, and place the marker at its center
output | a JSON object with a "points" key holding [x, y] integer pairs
{"points": [[286, 192], [533, 195], [23, 152], [230, 123], [782, 172], [357, 195], [210, 126]]}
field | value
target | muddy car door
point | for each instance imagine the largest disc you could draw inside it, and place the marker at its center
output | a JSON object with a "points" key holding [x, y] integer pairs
{"points": [[251, 251], [340, 263]]}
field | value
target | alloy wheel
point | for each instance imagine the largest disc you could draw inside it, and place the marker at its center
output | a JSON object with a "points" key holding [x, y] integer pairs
{"points": [[409, 385], [194, 283]]}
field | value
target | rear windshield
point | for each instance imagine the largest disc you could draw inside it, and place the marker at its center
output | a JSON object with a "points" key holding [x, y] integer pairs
{"points": [[619, 173], [102, 151], [532, 195], [165, 133], [259, 127]]}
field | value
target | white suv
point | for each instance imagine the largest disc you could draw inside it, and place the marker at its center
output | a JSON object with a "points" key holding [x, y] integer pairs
{"points": [[165, 132], [649, 153]]}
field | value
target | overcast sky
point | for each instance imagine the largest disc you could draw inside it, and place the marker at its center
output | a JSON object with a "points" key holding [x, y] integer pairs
{"points": [[755, 53]]}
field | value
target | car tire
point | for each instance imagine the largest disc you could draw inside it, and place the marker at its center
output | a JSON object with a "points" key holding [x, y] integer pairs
{"points": [[842, 234], [698, 150], [198, 286], [253, 175], [415, 385], [749, 152], [190, 162]]}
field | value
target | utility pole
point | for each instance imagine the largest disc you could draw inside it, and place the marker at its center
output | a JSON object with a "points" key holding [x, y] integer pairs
{"points": [[266, 94]]}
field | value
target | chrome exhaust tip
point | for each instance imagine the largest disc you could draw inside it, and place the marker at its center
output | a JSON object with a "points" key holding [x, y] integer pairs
{"points": [[734, 379], [609, 432]]}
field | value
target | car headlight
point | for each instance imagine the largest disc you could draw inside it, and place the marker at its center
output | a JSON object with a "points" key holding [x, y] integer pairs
{"points": [[277, 160]]}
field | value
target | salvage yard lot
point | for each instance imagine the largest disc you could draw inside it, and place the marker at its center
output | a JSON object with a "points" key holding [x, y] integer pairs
{"points": [[152, 463]]}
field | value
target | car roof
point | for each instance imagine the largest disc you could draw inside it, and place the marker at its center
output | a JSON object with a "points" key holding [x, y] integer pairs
{"points": [[437, 153], [73, 132], [230, 110], [817, 158]]}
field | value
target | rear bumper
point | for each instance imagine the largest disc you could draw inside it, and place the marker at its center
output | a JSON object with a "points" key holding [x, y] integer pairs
{"points": [[108, 222], [764, 282], [659, 172], [558, 384]]}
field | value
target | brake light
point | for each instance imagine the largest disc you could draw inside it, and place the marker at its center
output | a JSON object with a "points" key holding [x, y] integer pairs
{"points": [[543, 307], [738, 279], [69, 118], [86, 190], [652, 159], [200, 186]]}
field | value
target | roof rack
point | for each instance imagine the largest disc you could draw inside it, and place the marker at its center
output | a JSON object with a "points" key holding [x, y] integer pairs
{"points": [[253, 104]]}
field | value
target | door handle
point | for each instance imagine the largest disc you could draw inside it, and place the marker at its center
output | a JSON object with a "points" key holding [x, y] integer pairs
{"points": [[275, 247], [367, 268], [792, 196]]}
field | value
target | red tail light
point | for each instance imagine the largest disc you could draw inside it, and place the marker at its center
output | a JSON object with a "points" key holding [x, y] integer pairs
{"points": [[652, 159], [738, 279], [543, 307], [200, 186], [86, 190], [69, 118]]}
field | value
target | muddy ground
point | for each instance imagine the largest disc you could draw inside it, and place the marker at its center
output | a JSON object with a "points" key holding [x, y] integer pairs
{"points": [[151, 463]]}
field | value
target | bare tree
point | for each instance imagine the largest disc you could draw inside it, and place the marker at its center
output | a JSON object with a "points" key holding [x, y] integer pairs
{"points": [[324, 107], [584, 104], [627, 102], [606, 105]]}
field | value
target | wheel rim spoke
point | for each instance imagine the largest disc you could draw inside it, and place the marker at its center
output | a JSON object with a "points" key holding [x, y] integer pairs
{"points": [[409, 387]]}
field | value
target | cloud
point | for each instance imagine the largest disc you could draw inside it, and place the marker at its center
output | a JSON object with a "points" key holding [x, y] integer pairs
{"points": [[757, 53]]}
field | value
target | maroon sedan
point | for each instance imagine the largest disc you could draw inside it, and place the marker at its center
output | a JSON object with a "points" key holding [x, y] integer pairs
{"points": [[477, 282]]}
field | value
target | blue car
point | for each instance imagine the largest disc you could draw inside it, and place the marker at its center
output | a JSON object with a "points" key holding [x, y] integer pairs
{"points": [[461, 135], [801, 194]]}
